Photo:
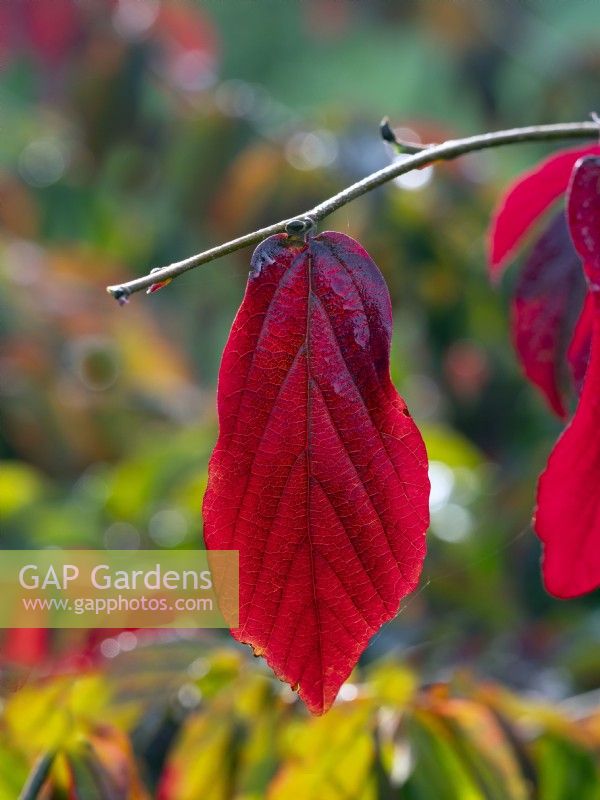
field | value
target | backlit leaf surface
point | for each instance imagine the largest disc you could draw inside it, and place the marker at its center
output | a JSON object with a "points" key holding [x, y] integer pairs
{"points": [[319, 476], [568, 513], [526, 200], [346, 736], [546, 301]]}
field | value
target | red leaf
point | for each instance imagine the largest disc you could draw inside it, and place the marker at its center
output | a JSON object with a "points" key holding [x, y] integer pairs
{"points": [[319, 476], [568, 513], [567, 519], [584, 216], [550, 286], [525, 201], [578, 354]]}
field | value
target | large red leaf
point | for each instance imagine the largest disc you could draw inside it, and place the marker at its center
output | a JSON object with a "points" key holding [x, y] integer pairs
{"points": [[547, 299], [526, 200], [568, 513], [567, 519], [319, 476]]}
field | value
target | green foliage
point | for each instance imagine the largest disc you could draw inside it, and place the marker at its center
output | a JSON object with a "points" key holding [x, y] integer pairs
{"points": [[238, 733]]}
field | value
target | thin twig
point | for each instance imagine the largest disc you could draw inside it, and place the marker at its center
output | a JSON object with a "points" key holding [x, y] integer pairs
{"points": [[440, 152]]}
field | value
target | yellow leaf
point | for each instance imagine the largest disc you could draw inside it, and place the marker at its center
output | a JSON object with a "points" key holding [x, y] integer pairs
{"points": [[201, 765], [50, 715], [332, 759]]}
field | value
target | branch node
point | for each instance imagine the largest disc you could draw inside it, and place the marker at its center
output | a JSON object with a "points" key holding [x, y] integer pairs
{"points": [[300, 227], [120, 293]]}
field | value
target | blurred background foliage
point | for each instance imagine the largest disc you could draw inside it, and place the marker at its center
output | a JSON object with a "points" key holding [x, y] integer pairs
{"points": [[137, 132]]}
